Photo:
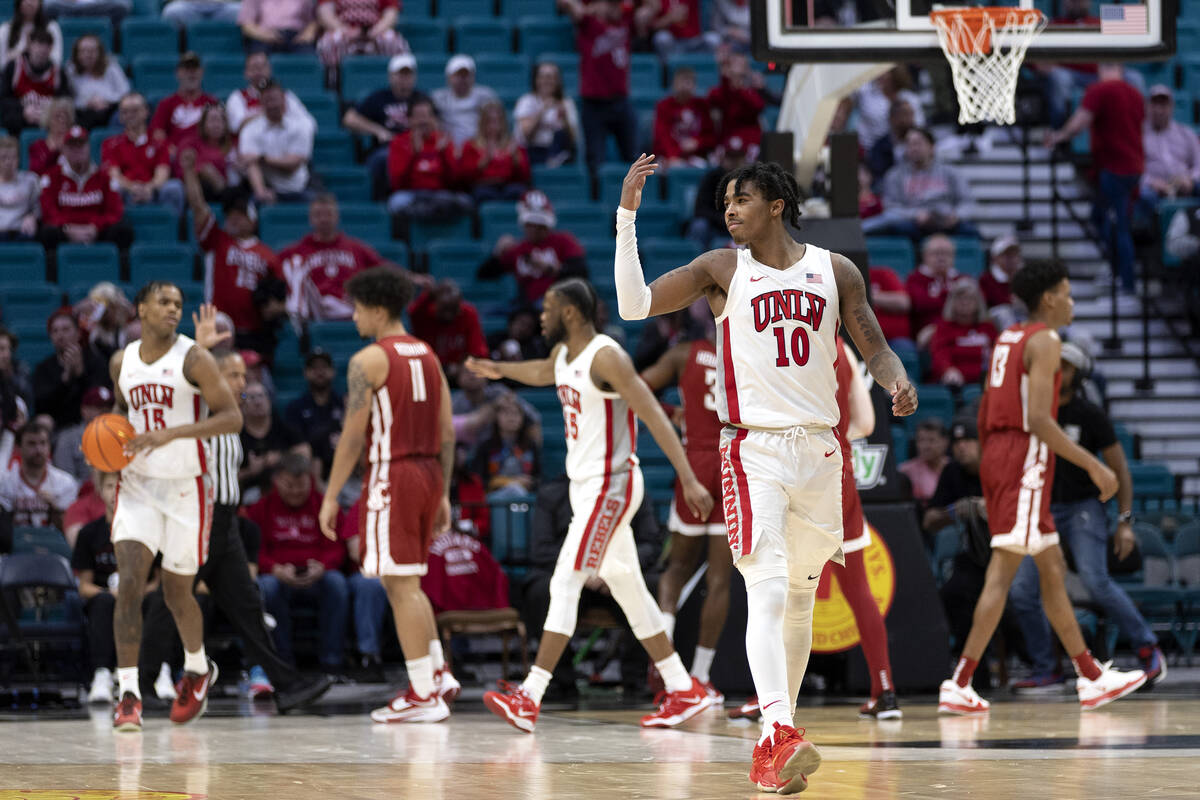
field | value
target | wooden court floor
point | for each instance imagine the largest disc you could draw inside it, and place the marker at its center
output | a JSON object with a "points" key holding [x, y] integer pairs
{"points": [[1148, 746]]}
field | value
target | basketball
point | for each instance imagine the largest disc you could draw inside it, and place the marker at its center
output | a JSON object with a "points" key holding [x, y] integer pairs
{"points": [[104, 442]]}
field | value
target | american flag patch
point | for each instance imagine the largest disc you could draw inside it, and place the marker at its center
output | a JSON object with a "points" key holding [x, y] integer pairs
{"points": [[812, 277], [1123, 19]]}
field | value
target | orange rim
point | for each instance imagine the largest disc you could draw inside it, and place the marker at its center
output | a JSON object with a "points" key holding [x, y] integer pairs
{"points": [[973, 19]]}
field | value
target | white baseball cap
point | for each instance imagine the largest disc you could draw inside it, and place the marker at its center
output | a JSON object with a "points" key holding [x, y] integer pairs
{"points": [[1004, 242], [458, 62], [402, 61]]}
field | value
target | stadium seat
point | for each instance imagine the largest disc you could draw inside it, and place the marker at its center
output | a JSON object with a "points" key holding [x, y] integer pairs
{"points": [[971, 396], [483, 35], [154, 74], [900, 442], [586, 220], [1151, 481], [507, 74], [657, 222], [336, 337], [515, 9], [969, 258], [333, 148], [610, 177], [431, 71], [27, 138], [96, 262], [31, 301], [324, 108], [936, 401], [146, 8], [1125, 437], [75, 27], [423, 234], [146, 35], [474, 8], [42, 540], [567, 183], [456, 260], [279, 233], [301, 73], [705, 65], [172, 262], [543, 34], [362, 75], [681, 183], [646, 71], [350, 184], [24, 259], [223, 75], [893, 252], [368, 221], [662, 255], [424, 36], [210, 38], [418, 9], [496, 220], [396, 252], [152, 224], [568, 65]]}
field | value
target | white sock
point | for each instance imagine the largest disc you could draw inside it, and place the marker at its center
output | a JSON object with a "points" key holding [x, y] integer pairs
{"points": [[195, 663], [702, 663], [420, 676], [797, 638], [674, 676], [765, 652], [127, 681], [669, 625], [535, 684], [436, 655]]}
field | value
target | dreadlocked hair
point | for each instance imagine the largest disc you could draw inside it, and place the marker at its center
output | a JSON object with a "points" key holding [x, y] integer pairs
{"points": [[772, 181]]}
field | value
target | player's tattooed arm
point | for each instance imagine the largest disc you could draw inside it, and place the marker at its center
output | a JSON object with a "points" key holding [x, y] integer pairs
{"points": [[114, 371], [859, 319], [358, 388], [707, 273]]}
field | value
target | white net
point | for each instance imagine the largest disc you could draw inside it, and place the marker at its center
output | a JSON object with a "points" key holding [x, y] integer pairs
{"points": [[985, 48]]}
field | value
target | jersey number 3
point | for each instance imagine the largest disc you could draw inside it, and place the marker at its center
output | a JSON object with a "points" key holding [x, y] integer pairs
{"points": [[999, 365]]}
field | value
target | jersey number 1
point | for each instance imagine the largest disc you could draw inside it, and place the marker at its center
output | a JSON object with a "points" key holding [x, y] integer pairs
{"points": [[419, 394]]}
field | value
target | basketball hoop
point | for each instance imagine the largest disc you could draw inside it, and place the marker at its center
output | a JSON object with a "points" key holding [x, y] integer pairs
{"points": [[985, 76]]}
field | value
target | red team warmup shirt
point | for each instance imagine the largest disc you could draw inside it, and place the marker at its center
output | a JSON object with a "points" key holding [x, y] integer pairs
{"points": [[690, 27], [136, 160], [996, 288], [430, 168], [177, 117], [292, 535], [233, 270], [463, 575], [320, 270], [536, 266], [963, 347], [928, 294], [604, 56], [452, 341], [1118, 112], [474, 167], [88, 199], [894, 326], [739, 110], [41, 157], [675, 121]]}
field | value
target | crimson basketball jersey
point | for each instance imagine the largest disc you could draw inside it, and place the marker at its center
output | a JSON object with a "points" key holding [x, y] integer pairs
{"points": [[698, 390], [845, 374], [1005, 404], [406, 409]]}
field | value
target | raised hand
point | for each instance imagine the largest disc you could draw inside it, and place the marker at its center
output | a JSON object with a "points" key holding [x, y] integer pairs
{"points": [[635, 181], [207, 335]]}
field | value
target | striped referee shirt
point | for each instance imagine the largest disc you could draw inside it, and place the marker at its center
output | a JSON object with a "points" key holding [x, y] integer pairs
{"points": [[226, 452]]}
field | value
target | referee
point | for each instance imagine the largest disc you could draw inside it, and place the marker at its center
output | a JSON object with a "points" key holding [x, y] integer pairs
{"points": [[226, 572]]}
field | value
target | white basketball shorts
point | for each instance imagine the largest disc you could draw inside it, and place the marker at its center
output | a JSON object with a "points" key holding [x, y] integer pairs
{"points": [[171, 516]]}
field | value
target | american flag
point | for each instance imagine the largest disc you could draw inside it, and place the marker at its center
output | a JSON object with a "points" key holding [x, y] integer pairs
{"points": [[1124, 19], [812, 277]]}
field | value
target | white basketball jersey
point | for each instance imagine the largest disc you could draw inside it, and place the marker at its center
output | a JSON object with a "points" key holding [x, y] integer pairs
{"points": [[600, 428], [159, 397], [777, 340]]}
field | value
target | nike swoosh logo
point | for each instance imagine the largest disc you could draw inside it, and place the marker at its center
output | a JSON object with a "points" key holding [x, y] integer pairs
{"points": [[524, 713], [199, 693], [831, 452], [768, 705], [759, 278], [814, 577]]}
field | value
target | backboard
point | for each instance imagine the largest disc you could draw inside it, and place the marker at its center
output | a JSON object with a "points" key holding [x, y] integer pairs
{"points": [[866, 31]]}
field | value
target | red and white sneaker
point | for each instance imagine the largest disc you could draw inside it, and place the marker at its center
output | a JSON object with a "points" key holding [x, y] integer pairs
{"points": [[955, 699], [127, 716], [715, 698], [783, 761], [445, 685], [408, 707], [191, 692], [1111, 685], [747, 710], [678, 707], [513, 705]]}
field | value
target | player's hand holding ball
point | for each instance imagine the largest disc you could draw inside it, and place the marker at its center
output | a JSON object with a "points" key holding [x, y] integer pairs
{"points": [[635, 181], [150, 440], [697, 498], [904, 398]]}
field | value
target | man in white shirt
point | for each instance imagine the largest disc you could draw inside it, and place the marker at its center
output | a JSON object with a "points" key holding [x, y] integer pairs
{"points": [[459, 101], [275, 150], [1172, 152], [245, 104], [35, 492]]}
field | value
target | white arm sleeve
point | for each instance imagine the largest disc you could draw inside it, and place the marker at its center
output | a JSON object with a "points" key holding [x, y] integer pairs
{"points": [[633, 295]]}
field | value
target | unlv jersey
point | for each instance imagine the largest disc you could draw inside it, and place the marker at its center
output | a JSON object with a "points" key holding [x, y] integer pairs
{"points": [[159, 396], [600, 428], [406, 410], [777, 339], [1005, 404], [698, 388]]}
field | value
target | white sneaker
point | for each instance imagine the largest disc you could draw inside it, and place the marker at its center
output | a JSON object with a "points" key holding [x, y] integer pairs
{"points": [[407, 707], [102, 687], [1111, 685], [445, 685], [164, 687], [955, 699]]}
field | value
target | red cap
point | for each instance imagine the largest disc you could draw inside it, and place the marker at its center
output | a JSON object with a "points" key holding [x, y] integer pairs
{"points": [[251, 357], [98, 397], [77, 133]]}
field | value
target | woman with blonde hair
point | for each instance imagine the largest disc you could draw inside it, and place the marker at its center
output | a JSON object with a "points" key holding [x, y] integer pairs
{"points": [[493, 166], [963, 337], [97, 81], [56, 121], [19, 192]]}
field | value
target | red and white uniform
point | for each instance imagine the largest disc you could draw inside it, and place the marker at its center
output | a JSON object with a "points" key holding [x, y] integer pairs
{"points": [[856, 535], [316, 273], [164, 498], [403, 444], [701, 440], [69, 198], [1019, 467], [781, 460], [606, 482], [233, 270]]}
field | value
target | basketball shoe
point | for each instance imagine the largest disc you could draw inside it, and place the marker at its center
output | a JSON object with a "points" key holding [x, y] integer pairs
{"points": [[955, 699], [1111, 685], [406, 706], [513, 705], [260, 684], [678, 707], [1154, 664], [445, 685], [192, 694], [783, 761], [127, 717], [882, 707], [747, 710], [715, 698]]}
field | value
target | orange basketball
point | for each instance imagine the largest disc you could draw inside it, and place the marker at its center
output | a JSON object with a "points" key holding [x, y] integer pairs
{"points": [[104, 442]]}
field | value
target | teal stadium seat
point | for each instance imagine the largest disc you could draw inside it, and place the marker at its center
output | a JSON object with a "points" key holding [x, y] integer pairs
{"points": [[336, 337], [543, 34], [507, 74], [657, 222], [611, 176], [146, 35], [27, 138], [34, 343], [1151, 481], [969, 256], [152, 224], [30, 301], [418, 9], [211, 38], [587, 220], [456, 260], [395, 252], [362, 75], [154, 74], [474, 8], [422, 234], [496, 220], [514, 9], [300, 72], [324, 108], [368, 221], [333, 149], [431, 70], [894, 252], [75, 27], [565, 184], [645, 70], [24, 259], [667, 254], [93, 263], [224, 74], [425, 36], [900, 442], [350, 184], [44, 541], [171, 262], [483, 35], [682, 183], [936, 401], [705, 65]]}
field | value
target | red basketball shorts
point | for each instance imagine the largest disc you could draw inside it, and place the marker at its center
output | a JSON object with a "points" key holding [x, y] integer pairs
{"points": [[400, 500], [707, 466], [1017, 470]]}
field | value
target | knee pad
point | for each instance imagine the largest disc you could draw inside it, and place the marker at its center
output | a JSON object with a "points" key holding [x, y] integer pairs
{"points": [[564, 602], [641, 610]]}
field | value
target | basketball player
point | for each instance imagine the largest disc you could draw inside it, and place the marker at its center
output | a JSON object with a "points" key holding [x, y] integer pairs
{"points": [[778, 304], [693, 366], [398, 405], [175, 398], [600, 393], [1020, 437]]}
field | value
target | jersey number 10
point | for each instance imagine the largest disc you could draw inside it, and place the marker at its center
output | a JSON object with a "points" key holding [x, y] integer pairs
{"points": [[799, 346]]}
